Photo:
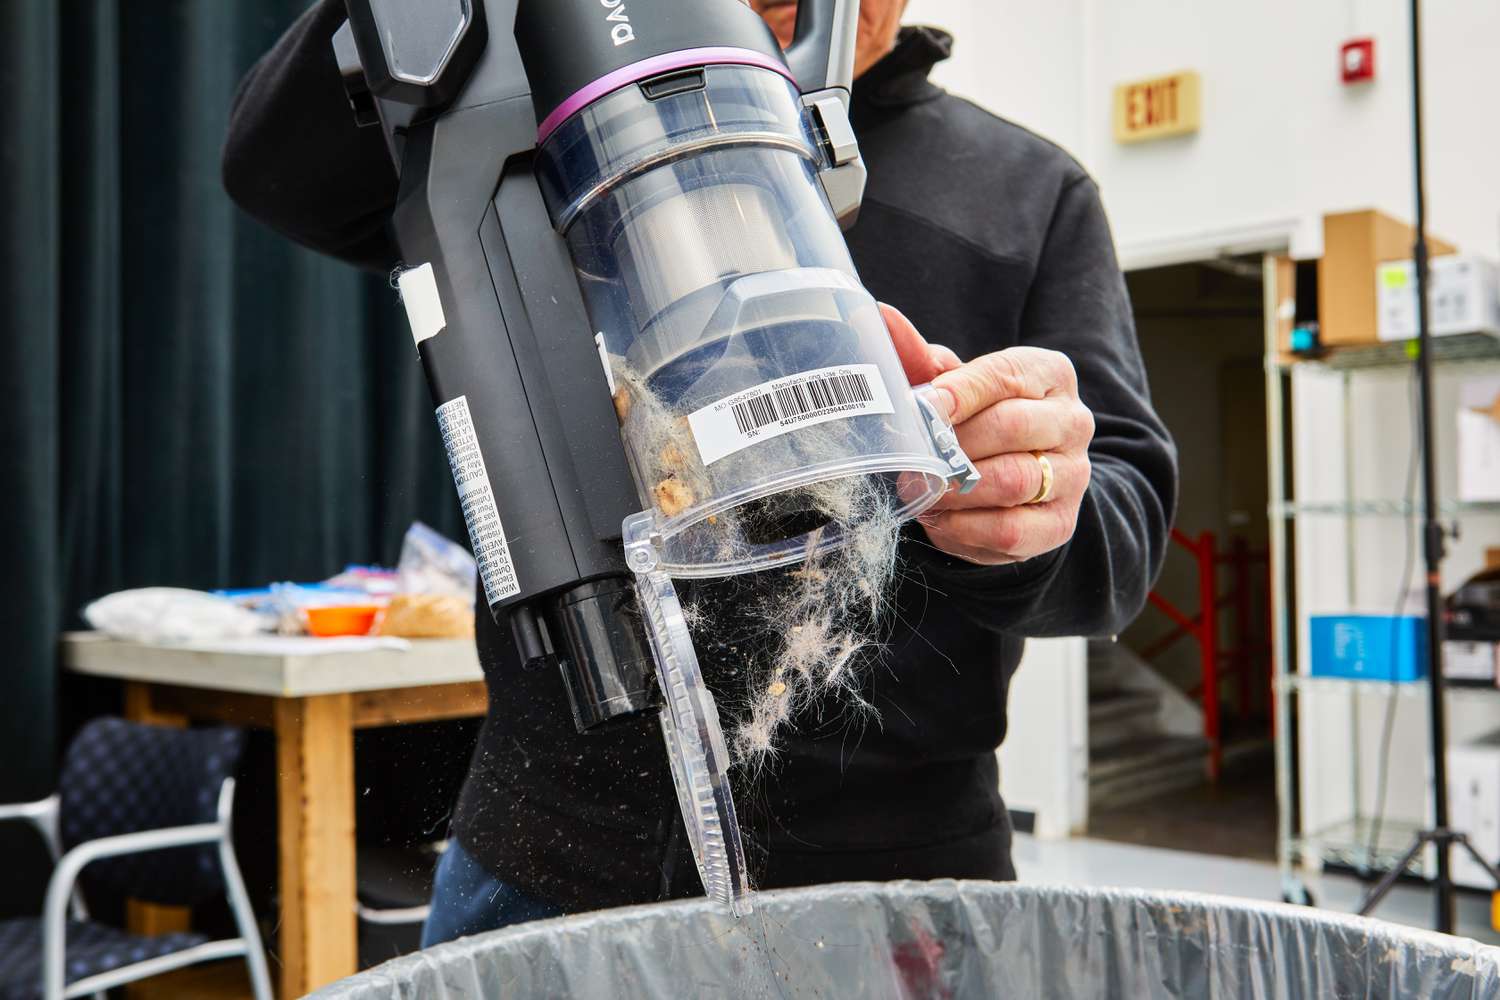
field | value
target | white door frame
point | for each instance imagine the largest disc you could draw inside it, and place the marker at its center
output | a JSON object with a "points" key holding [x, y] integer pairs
{"points": [[1276, 236]]}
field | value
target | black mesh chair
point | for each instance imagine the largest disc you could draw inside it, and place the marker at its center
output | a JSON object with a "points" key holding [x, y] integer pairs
{"points": [[146, 811]]}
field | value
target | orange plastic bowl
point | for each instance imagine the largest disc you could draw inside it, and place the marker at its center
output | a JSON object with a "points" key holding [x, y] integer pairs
{"points": [[350, 619]]}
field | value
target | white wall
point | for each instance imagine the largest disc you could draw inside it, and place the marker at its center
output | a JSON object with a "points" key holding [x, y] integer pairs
{"points": [[1461, 52], [1044, 762], [1019, 59], [1283, 141]]}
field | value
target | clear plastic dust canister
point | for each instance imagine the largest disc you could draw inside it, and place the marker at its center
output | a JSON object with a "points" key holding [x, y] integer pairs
{"points": [[749, 365]]}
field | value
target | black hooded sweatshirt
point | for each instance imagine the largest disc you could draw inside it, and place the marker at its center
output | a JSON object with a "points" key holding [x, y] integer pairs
{"points": [[986, 236]]}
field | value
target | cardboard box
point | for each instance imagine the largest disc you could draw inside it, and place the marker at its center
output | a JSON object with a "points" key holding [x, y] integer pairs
{"points": [[1355, 244], [1479, 440], [1474, 807], [1286, 306], [1464, 292], [1369, 647]]}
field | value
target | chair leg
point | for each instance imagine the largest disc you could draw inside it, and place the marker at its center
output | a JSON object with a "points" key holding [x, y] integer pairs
{"points": [[239, 899], [54, 952], [244, 918]]}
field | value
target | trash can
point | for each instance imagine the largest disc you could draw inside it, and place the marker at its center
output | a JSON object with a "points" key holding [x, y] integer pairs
{"points": [[947, 940]]}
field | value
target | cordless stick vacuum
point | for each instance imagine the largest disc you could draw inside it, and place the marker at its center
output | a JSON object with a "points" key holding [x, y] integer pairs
{"points": [[627, 283]]}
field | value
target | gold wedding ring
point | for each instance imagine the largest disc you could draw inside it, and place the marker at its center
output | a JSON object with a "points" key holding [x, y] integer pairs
{"points": [[1049, 479]]}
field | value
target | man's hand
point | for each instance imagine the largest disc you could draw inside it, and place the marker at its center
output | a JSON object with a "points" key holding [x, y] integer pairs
{"points": [[1008, 408]]}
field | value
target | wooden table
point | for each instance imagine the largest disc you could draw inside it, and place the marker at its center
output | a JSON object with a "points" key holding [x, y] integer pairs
{"points": [[313, 702]]}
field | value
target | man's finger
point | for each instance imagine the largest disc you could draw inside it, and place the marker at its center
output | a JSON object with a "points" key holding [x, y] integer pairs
{"points": [[1015, 373], [997, 536], [923, 361], [976, 556], [1055, 424], [1015, 479]]}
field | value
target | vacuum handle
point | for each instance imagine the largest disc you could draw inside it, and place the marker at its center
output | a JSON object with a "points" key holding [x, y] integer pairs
{"points": [[822, 52]]}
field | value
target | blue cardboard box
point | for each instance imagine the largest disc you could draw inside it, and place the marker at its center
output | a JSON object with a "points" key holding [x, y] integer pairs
{"points": [[1369, 647]]}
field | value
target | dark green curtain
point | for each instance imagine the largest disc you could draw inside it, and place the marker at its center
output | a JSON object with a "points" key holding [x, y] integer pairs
{"points": [[186, 399]]}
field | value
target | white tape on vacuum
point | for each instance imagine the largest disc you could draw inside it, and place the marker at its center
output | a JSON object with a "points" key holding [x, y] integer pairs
{"points": [[788, 404], [424, 309], [609, 372], [486, 532]]}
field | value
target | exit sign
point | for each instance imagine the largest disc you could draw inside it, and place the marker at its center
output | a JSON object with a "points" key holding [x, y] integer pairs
{"points": [[1158, 108]]}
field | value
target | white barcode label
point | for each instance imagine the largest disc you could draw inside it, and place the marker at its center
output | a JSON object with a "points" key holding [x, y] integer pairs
{"points": [[486, 532], [787, 404]]}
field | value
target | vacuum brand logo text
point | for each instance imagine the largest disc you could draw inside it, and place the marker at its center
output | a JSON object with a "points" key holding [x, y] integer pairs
{"points": [[623, 32]]}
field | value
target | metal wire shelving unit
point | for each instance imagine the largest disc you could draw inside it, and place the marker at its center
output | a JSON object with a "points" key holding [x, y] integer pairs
{"points": [[1347, 842]]}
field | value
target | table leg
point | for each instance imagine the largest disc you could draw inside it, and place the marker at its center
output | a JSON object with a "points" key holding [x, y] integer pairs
{"points": [[152, 918], [315, 759]]}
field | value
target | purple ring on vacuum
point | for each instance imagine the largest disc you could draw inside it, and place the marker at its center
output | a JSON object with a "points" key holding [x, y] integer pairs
{"points": [[635, 72]]}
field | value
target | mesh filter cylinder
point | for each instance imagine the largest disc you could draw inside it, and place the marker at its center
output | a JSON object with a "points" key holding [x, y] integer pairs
{"points": [[697, 239]]}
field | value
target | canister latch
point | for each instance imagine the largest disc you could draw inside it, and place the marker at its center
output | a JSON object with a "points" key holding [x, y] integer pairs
{"points": [[965, 474], [843, 174]]}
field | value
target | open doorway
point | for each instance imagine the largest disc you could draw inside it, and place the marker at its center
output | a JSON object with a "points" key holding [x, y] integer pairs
{"points": [[1170, 764]]}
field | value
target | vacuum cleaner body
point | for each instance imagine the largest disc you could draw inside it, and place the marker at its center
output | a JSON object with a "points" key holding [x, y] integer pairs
{"points": [[612, 206]]}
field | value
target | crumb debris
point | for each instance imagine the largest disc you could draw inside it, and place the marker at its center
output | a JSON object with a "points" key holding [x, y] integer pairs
{"points": [[673, 496]]}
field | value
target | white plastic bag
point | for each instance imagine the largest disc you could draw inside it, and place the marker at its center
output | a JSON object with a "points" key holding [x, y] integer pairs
{"points": [[170, 614]]}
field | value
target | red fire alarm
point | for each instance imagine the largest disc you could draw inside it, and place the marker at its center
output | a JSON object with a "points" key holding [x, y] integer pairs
{"points": [[1358, 60]]}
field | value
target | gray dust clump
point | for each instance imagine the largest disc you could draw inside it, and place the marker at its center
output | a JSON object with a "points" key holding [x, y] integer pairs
{"points": [[822, 620], [791, 641]]}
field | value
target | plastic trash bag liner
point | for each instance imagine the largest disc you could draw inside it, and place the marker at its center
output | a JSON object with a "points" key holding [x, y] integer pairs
{"points": [[947, 940]]}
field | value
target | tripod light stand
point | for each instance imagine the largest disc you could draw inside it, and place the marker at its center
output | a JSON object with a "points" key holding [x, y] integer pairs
{"points": [[1434, 541]]}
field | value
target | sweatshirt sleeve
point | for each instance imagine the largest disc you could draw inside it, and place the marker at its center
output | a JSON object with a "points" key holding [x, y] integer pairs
{"points": [[1097, 583], [294, 158]]}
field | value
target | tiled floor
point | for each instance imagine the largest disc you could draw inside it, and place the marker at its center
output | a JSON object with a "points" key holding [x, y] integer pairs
{"points": [[1082, 861]]}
